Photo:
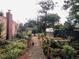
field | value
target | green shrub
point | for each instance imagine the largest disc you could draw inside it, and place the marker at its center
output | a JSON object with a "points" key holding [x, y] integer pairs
{"points": [[68, 49], [13, 49], [55, 52], [20, 45], [2, 56], [75, 44], [56, 44], [2, 50], [45, 49], [13, 54]]}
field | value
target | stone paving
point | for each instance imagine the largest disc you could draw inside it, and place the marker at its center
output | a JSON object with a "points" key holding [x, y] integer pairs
{"points": [[36, 51]]}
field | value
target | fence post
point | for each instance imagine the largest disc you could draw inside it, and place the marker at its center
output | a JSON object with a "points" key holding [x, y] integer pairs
{"points": [[49, 52]]}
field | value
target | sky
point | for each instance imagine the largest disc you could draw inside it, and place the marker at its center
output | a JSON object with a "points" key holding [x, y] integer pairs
{"points": [[23, 10]]}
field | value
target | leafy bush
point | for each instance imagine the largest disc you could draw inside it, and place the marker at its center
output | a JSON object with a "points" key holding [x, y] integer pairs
{"points": [[13, 49], [64, 50], [55, 52], [75, 44], [20, 45], [21, 36], [2, 56], [45, 49], [68, 49], [13, 54], [56, 44]]}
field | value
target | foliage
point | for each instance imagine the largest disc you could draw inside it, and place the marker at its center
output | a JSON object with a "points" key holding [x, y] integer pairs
{"points": [[29, 32], [50, 19], [13, 50], [59, 49], [56, 44], [55, 52], [69, 50], [13, 54], [21, 33], [59, 26], [74, 8], [32, 23], [1, 29], [46, 5], [45, 47], [47, 21], [75, 44], [21, 28]]}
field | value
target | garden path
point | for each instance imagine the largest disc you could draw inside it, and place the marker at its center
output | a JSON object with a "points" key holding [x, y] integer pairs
{"points": [[36, 51]]}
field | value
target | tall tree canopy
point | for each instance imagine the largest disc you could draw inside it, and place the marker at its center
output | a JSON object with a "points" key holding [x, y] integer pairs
{"points": [[46, 5], [50, 19], [32, 23], [47, 19], [74, 8]]}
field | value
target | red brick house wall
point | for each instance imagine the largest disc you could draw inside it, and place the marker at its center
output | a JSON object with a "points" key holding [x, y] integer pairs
{"points": [[11, 26]]}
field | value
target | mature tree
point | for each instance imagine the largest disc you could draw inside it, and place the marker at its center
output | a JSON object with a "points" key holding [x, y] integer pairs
{"points": [[68, 27], [73, 5], [68, 24], [51, 19], [32, 23], [46, 5], [47, 19], [21, 27], [58, 26], [20, 31]]}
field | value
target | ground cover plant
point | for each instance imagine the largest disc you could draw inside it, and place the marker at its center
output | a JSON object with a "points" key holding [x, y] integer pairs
{"points": [[13, 49]]}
